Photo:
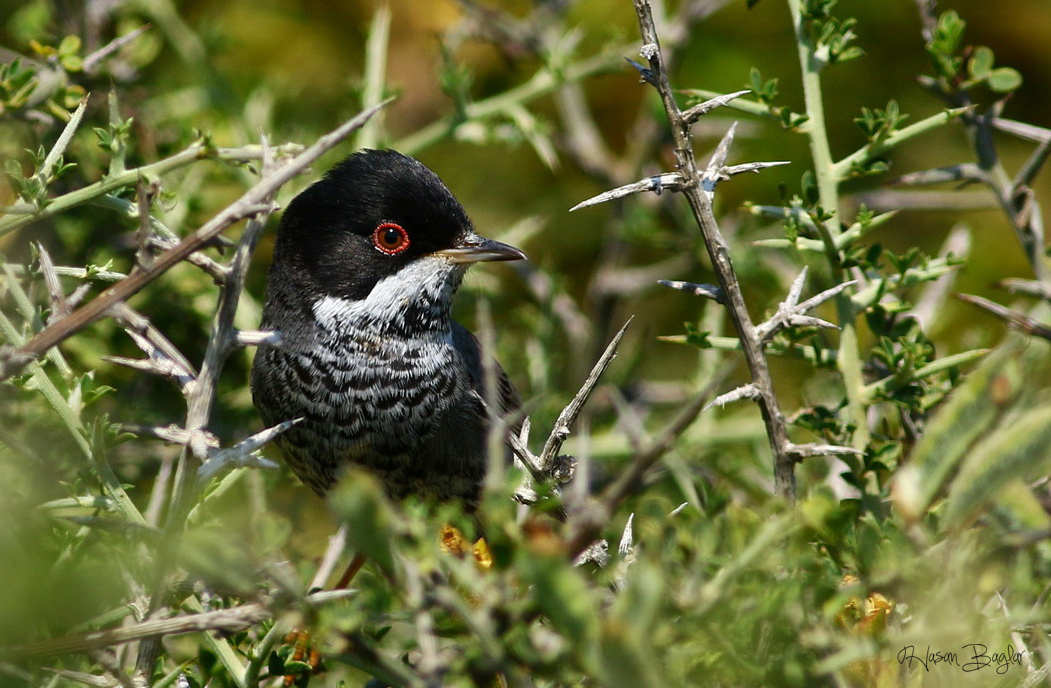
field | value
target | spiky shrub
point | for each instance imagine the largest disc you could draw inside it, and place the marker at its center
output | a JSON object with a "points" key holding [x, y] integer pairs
{"points": [[130, 561]]}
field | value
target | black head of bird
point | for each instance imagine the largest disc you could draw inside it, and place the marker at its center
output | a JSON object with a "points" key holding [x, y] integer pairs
{"points": [[365, 267]]}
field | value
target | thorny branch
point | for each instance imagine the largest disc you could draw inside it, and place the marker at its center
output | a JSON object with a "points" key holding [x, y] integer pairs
{"points": [[569, 414], [699, 188], [718, 252], [547, 467]]}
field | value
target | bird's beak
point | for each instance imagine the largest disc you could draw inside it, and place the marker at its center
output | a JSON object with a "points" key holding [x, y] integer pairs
{"points": [[476, 249]]}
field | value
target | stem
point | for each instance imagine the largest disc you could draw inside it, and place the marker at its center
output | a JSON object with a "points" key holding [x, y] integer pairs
{"points": [[375, 75], [848, 359]]}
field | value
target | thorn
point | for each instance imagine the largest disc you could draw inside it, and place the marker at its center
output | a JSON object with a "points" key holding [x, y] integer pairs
{"points": [[657, 183], [1027, 287], [726, 172], [810, 321], [749, 391], [242, 454], [796, 290], [96, 58], [59, 306], [167, 359], [967, 172], [694, 113], [626, 540], [1020, 320], [528, 459], [569, 414], [162, 368], [708, 291], [792, 314], [56, 152], [74, 299], [711, 174], [826, 295], [723, 149], [645, 72], [802, 451], [173, 434]]}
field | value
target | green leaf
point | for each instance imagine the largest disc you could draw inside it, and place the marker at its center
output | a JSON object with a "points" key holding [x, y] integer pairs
{"points": [[809, 188], [944, 45], [764, 91], [13, 169], [755, 81], [70, 45], [72, 63], [949, 32], [697, 337], [850, 53], [981, 63], [1005, 80]]}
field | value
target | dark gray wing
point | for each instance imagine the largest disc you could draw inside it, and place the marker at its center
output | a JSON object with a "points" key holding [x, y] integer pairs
{"points": [[468, 346]]}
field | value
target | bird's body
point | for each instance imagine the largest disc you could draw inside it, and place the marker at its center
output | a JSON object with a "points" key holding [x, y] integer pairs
{"points": [[365, 267]]}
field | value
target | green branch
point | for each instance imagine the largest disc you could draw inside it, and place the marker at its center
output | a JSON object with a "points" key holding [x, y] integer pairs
{"points": [[841, 169], [848, 360]]}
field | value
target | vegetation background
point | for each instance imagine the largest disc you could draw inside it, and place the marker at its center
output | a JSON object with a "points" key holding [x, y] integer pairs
{"points": [[738, 587]]}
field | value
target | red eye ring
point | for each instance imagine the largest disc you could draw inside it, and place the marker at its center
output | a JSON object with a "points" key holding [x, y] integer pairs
{"points": [[390, 238]]}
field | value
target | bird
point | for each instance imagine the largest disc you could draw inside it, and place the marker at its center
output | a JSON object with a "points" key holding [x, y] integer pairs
{"points": [[365, 266]]}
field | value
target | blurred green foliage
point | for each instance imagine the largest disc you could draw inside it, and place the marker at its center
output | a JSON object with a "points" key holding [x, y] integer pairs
{"points": [[935, 535]]}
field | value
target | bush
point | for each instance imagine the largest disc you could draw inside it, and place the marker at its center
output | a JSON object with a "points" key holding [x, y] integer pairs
{"points": [[882, 520]]}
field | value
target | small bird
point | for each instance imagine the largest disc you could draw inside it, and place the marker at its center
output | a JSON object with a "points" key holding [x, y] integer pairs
{"points": [[365, 266]]}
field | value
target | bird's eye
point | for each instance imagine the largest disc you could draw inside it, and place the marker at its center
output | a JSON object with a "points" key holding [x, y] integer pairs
{"points": [[390, 238]]}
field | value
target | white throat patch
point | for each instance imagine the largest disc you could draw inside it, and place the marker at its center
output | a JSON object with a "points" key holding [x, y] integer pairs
{"points": [[427, 282]]}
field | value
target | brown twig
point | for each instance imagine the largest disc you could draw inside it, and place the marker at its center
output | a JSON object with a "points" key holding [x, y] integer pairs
{"points": [[61, 330]]}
